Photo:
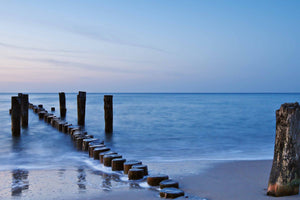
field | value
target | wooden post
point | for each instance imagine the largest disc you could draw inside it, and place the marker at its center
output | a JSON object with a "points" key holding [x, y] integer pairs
{"points": [[62, 104], [168, 183], [101, 155], [97, 151], [15, 116], [154, 180], [81, 98], [128, 165], [108, 113], [135, 174], [171, 193], [118, 164], [144, 167], [285, 173], [20, 95], [108, 158], [24, 110]]}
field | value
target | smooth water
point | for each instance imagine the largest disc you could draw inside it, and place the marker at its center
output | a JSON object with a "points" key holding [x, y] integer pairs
{"points": [[149, 127]]}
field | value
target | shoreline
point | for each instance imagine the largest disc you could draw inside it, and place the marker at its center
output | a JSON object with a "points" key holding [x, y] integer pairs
{"points": [[212, 180]]}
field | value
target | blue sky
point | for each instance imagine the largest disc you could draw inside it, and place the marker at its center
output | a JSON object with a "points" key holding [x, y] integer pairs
{"points": [[150, 46]]}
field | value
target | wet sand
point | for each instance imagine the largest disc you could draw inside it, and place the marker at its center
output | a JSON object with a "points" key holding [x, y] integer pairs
{"points": [[234, 180], [69, 184]]}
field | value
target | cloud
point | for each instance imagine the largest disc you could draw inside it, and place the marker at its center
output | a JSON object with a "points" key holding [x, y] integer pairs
{"points": [[37, 49], [100, 34], [98, 68], [74, 64]]}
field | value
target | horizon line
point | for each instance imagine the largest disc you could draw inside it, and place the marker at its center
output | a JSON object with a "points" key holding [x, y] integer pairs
{"points": [[155, 92]]}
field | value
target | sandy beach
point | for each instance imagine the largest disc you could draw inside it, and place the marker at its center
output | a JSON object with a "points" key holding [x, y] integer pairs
{"points": [[200, 94], [234, 180]]}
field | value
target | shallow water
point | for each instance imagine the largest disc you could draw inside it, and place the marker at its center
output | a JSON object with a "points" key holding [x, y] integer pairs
{"points": [[149, 127]]}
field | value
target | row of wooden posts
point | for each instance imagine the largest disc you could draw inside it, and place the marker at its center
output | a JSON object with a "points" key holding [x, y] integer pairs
{"points": [[19, 111], [96, 148], [285, 173]]}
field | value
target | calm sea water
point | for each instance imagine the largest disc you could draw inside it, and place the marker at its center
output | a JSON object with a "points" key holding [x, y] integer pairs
{"points": [[149, 127]]}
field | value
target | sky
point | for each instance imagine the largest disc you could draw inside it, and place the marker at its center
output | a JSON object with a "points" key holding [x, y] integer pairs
{"points": [[150, 46]]}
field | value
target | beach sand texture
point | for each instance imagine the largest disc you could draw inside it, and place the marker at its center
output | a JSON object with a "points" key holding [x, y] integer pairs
{"points": [[232, 180], [236, 180]]}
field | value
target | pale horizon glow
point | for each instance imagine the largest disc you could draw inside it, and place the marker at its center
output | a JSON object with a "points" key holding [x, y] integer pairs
{"points": [[150, 46]]}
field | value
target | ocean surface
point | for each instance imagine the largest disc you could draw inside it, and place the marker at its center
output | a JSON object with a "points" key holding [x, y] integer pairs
{"points": [[148, 127]]}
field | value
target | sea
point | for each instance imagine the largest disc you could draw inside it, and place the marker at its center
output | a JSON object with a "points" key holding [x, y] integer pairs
{"points": [[151, 127]]}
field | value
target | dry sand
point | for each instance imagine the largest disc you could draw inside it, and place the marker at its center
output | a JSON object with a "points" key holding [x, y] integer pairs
{"points": [[235, 180]]}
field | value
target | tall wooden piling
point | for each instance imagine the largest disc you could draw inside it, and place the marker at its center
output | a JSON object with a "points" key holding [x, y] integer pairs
{"points": [[20, 95], [285, 173], [62, 104], [81, 99], [15, 116], [24, 110], [108, 113]]}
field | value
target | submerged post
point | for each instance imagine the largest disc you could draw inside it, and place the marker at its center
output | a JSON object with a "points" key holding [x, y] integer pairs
{"points": [[81, 98], [108, 113], [15, 116], [24, 110], [62, 104], [285, 173]]}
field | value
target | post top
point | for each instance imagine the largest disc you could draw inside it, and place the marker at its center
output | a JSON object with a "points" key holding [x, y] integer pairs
{"points": [[108, 96], [290, 105], [15, 98], [81, 94]]}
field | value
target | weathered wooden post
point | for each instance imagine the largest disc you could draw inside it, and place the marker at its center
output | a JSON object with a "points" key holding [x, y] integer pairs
{"points": [[20, 95], [108, 158], [108, 113], [285, 173], [135, 174], [62, 104], [154, 180], [128, 165], [81, 98], [15, 116], [24, 110], [144, 167], [118, 164]]}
